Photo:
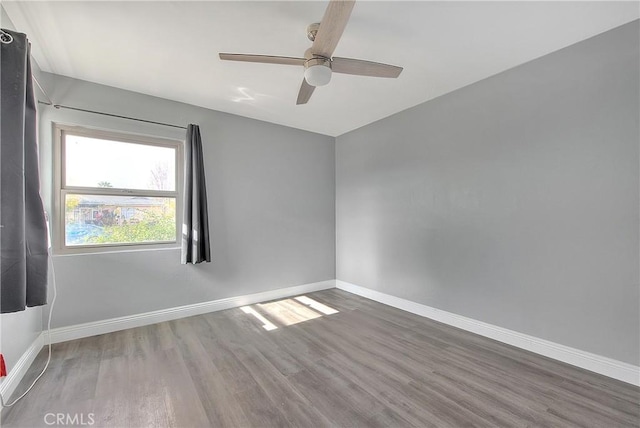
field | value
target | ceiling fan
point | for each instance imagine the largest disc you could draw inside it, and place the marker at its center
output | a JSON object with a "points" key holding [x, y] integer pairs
{"points": [[318, 62]]}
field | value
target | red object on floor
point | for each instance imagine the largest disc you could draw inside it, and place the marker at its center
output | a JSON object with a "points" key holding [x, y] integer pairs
{"points": [[3, 367]]}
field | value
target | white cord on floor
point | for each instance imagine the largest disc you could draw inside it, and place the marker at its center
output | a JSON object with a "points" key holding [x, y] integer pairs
{"points": [[53, 301]]}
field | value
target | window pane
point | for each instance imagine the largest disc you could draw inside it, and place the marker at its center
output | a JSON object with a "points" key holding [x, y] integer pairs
{"points": [[91, 162], [99, 219]]}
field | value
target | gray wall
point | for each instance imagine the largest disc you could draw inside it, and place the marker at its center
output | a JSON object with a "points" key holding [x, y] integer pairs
{"points": [[271, 196], [18, 330], [513, 201]]}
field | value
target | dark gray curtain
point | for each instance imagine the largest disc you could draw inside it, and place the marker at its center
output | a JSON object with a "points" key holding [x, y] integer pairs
{"points": [[23, 230], [195, 227]]}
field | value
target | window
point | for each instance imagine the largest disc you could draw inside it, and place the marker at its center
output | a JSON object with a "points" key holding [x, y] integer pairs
{"points": [[115, 190]]}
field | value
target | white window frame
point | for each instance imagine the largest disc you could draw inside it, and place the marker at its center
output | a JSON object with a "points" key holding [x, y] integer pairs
{"points": [[61, 189]]}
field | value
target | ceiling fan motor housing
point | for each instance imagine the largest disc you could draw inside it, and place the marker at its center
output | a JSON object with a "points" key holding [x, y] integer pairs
{"points": [[317, 71]]}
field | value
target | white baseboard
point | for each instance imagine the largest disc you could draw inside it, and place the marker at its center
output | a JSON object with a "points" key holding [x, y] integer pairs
{"points": [[63, 334], [586, 360], [17, 372]]}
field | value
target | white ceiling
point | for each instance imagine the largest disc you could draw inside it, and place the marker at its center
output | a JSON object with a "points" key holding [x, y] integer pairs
{"points": [[170, 50]]}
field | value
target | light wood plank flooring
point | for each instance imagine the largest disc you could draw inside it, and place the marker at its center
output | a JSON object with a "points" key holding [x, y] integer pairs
{"points": [[299, 363]]}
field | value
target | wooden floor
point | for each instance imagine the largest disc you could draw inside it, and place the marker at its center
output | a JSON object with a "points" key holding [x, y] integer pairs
{"points": [[287, 363]]}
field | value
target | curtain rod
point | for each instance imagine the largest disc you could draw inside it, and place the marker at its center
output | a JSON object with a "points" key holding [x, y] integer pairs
{"points": [[59, 106]]}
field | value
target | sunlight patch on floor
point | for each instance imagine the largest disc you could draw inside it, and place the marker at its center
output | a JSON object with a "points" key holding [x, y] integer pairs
{"points": [[287, 312], [267, 325], [316, 305]]}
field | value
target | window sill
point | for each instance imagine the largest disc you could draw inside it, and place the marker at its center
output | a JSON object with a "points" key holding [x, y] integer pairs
{"points": [[98, 251]]}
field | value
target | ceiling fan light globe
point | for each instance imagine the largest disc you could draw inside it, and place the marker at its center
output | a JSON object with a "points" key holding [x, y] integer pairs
{"points": [[317, 75]]}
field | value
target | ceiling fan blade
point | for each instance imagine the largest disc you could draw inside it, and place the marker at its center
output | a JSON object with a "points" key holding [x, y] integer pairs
{"points": [[364, 68], [267, 59], [331, 27], [305, 92]]}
